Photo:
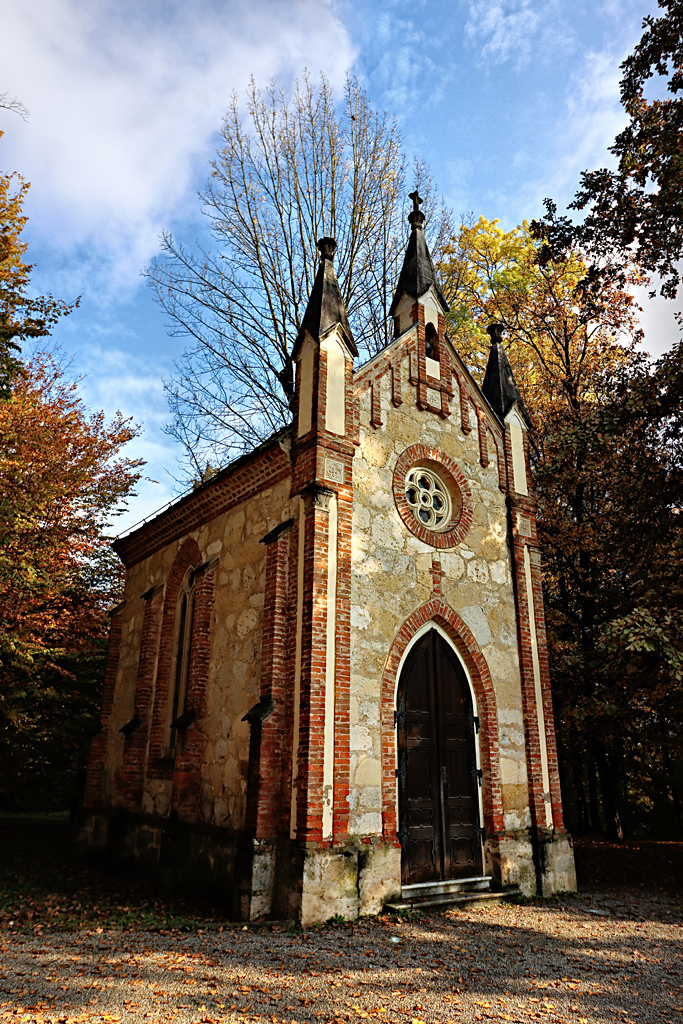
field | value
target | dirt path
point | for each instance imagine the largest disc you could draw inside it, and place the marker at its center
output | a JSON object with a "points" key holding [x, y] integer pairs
{"points": [[603, 956]]}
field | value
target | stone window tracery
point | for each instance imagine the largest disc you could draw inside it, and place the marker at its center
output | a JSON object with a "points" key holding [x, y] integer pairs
{"points": [[429, 498], [432, 496]]}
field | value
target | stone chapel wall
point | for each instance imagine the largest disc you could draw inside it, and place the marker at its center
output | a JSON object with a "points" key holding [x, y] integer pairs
{"points": [[235, 651], [392, 578]]}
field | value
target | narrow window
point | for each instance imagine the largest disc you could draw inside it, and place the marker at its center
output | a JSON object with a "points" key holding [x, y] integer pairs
{"points": [[431, 342], [181, 665]]}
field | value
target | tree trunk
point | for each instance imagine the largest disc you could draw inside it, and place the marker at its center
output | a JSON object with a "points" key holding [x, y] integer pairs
{"points": [[593, 798], [610, 803]]}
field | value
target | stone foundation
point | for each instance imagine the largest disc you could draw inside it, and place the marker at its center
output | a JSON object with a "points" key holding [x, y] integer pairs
{"points": [[542, 864], [251, 879], [556, 859], [509, 859], [379, 877]]}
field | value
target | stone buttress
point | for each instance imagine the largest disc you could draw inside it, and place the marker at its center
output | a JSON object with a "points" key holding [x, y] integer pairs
{"points": [[305, 865]]}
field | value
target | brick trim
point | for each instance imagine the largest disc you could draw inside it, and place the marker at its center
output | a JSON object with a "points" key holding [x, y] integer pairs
{"points": [[375, 404], [458, 530], [396, 396], [483, 440], [94, 795], [465, 424], [190, 743], [500, 459], [135, 749], [244, 479], [313, 662], [342, 683], [522, 510], [548, 714], [266, 792], [295, 540], [436, 610]]}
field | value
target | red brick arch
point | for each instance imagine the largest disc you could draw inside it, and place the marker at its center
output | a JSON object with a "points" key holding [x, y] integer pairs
{"points": [[438, 612]]}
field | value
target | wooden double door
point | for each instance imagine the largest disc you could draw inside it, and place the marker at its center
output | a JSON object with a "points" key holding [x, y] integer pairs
{"points": [[438, 779]]}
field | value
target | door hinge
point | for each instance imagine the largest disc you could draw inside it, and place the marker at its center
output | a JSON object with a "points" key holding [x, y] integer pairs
{"points": [[482, 833], [473, 720], [477, 774], [402, 773]]}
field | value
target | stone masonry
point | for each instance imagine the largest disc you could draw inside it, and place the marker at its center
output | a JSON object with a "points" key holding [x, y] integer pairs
{"points": [[258, 759]]}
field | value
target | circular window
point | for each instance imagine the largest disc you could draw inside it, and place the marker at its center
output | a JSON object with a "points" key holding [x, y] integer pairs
{"points": [[432, 496], [428, 498]]}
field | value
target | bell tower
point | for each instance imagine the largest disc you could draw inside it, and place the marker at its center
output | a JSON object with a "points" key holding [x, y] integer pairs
{"points": [[420, 304]]}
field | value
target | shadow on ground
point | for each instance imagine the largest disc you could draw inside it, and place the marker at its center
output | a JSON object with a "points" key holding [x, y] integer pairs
{"points": [[46, 882]]}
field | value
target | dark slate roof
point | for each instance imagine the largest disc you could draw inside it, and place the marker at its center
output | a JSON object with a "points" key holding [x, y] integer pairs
{"points": [[418, 274], [325, 307], [499, 387]]}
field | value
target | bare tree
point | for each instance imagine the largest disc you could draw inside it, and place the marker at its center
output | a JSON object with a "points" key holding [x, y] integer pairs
{"points": [[294, 169], [8, 102]]}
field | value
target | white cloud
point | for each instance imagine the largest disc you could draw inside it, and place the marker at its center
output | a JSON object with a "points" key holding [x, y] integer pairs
{"points": [[509, 29], [124, 99], [658, 320], [119, 380], [591, 118]]}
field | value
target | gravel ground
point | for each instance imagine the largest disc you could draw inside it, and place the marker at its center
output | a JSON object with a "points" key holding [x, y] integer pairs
{"points": [[602, 956]]}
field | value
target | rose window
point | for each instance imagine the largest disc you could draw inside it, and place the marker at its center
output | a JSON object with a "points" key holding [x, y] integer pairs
{"points": [[428, 498]]}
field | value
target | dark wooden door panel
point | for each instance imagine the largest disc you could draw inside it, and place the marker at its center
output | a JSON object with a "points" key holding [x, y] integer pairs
{"points": [[438, 785], [420, 831]]}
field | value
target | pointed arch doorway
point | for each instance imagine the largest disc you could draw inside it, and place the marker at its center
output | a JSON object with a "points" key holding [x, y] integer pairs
{"points": [[438, 776]]}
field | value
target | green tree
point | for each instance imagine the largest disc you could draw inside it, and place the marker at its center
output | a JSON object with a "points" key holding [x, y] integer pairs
{"points": [[636, 210]]}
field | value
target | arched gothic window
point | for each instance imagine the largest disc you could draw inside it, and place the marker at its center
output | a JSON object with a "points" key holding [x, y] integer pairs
{"points": [[180, 672]]}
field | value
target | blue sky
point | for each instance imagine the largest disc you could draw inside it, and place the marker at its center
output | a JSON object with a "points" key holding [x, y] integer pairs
{"points": [[508, 101]]}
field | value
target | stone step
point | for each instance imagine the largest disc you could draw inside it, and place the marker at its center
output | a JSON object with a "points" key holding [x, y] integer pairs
{"points": [[419, 889], [454, 899]]}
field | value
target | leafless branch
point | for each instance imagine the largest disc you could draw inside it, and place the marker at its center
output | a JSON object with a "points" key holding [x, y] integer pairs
{"points": [[289, 172]]}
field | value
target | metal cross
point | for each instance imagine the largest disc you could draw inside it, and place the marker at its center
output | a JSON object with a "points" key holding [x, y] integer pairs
{"points": [[415, 196]]}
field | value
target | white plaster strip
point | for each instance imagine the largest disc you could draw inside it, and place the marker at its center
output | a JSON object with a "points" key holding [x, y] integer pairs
{"points": [[539, 692], [297, 669], [330, 658]]}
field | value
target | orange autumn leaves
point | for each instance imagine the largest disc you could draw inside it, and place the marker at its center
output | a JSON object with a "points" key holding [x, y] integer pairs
{"points": [[62, 475], [559, 338]]}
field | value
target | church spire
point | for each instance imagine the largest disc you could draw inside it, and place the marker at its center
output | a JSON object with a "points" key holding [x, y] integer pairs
{"points": [[418, 274], [326, 306], [499, 386]]}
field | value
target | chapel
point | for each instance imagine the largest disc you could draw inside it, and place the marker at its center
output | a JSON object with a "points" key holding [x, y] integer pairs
{"points": [[327, 686]]}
